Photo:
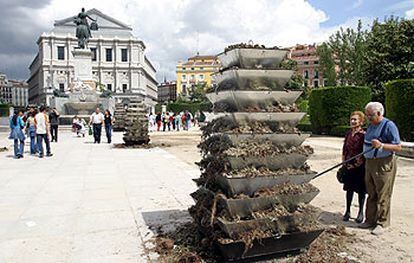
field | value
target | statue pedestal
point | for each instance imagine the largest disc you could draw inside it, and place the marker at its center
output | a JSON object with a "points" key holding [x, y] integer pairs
{"points": [[83, 66]]}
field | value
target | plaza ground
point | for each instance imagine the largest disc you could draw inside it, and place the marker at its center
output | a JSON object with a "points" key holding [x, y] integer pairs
{"points": [[95, 203]]}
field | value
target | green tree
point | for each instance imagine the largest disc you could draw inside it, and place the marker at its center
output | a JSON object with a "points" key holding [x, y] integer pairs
{"points": [[390, 50], [327, 64], [198, 93], [349, 51], [297, 80]]}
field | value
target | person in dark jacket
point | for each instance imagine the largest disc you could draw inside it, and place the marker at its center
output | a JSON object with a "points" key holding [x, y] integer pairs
{"points": [[108, 121], [54, 124], [354, 177]]}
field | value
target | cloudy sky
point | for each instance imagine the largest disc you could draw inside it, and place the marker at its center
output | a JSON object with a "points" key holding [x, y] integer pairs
{"points": [[176, 29]]}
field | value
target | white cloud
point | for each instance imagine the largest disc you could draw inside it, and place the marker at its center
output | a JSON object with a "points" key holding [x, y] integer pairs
{"points": [[405, 4], [357, 4], [409, 14], [169, 28]]}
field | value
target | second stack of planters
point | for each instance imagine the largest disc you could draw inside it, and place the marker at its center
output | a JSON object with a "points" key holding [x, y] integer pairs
{"points": [[254, 188], [136, 124]]}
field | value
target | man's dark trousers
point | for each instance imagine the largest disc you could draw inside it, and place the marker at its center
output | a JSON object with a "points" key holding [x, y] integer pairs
{"points": [[40, 139], [97, 129], [54, 132]]}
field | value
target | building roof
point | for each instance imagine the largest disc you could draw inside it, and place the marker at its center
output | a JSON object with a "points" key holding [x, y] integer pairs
{"points": [[200, 64], [167, 85], [198, 57], [149, 63], [69, 21]]}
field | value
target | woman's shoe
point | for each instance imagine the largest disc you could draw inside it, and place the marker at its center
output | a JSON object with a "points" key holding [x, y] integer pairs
{"points": [[346, 216]]}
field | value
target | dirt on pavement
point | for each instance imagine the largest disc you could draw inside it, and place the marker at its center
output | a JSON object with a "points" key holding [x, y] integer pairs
{"points": [[396, 245]]}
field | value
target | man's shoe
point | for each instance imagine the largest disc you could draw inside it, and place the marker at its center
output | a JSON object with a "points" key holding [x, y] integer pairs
{"points": [[378, 230], [49, 155], [366, 225], [40, 156]]}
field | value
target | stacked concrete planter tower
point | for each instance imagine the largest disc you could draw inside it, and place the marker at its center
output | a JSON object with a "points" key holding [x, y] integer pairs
{"points": [[136, 124], [119, 115], [254, 188]]}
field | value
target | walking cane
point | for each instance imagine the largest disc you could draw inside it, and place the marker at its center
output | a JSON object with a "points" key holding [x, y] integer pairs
{"points": [[344, 162]]}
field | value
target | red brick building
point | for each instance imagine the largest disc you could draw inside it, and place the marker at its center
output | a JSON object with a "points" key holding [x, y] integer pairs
{"points": [[308, 64]]}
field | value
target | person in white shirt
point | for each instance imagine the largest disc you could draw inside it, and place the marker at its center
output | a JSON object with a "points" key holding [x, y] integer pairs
{"points": [[42, 132], [97, 119]]}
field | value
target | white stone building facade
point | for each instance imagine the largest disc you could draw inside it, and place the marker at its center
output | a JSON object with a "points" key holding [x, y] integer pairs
{"points": [[119, 63], [13, 92]]}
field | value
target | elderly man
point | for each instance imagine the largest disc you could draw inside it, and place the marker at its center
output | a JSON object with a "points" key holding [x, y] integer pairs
{"points": [[381, 167], [97, 119]]}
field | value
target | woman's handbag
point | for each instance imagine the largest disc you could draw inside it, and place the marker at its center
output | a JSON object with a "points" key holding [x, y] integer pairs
{"points": [[341, 174], [90, 130]]}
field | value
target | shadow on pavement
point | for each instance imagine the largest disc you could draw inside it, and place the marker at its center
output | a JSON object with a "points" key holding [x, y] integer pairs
{"points": [[165, 220], [329, 218]]}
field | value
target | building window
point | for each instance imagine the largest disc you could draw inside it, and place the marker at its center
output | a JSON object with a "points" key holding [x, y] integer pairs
{"points": [[306, 74], [201, 68], [109, 87], [124, 88], [183, 68], [109, 54], [61, 53], [184, 77], [201, 77], [316, 74], [183, 89], [315, 83], [93, 50], [192, 77], [62, 87], [124, 55], [306, 62], [316, 62], [192, 68]]}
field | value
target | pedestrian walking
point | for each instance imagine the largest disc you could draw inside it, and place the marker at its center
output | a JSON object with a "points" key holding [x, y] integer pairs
{"points": [[380, 168], [172, 120], [31, 131], [152, 122], [184, 121], [109, 121], [354, 171], [97, 119], [166, 121], [188, 119], [42, 132], [54, 124], [158, 120], [16, 133], [197, 115], [177, 121]]}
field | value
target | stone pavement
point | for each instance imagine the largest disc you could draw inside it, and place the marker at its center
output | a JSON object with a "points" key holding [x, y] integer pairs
{"points": [[89, 202]]}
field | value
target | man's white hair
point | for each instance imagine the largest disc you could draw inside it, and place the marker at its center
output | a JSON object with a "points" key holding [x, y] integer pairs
{"points": [[376, 107]]}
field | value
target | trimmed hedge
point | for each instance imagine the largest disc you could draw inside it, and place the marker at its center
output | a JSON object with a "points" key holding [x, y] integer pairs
{"points": [[303, 105], [399, 104], [190, 106], [4, 110], [330, 107]]}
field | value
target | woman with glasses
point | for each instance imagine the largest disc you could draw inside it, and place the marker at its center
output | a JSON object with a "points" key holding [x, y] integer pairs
{"points": [[354, 176]]}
